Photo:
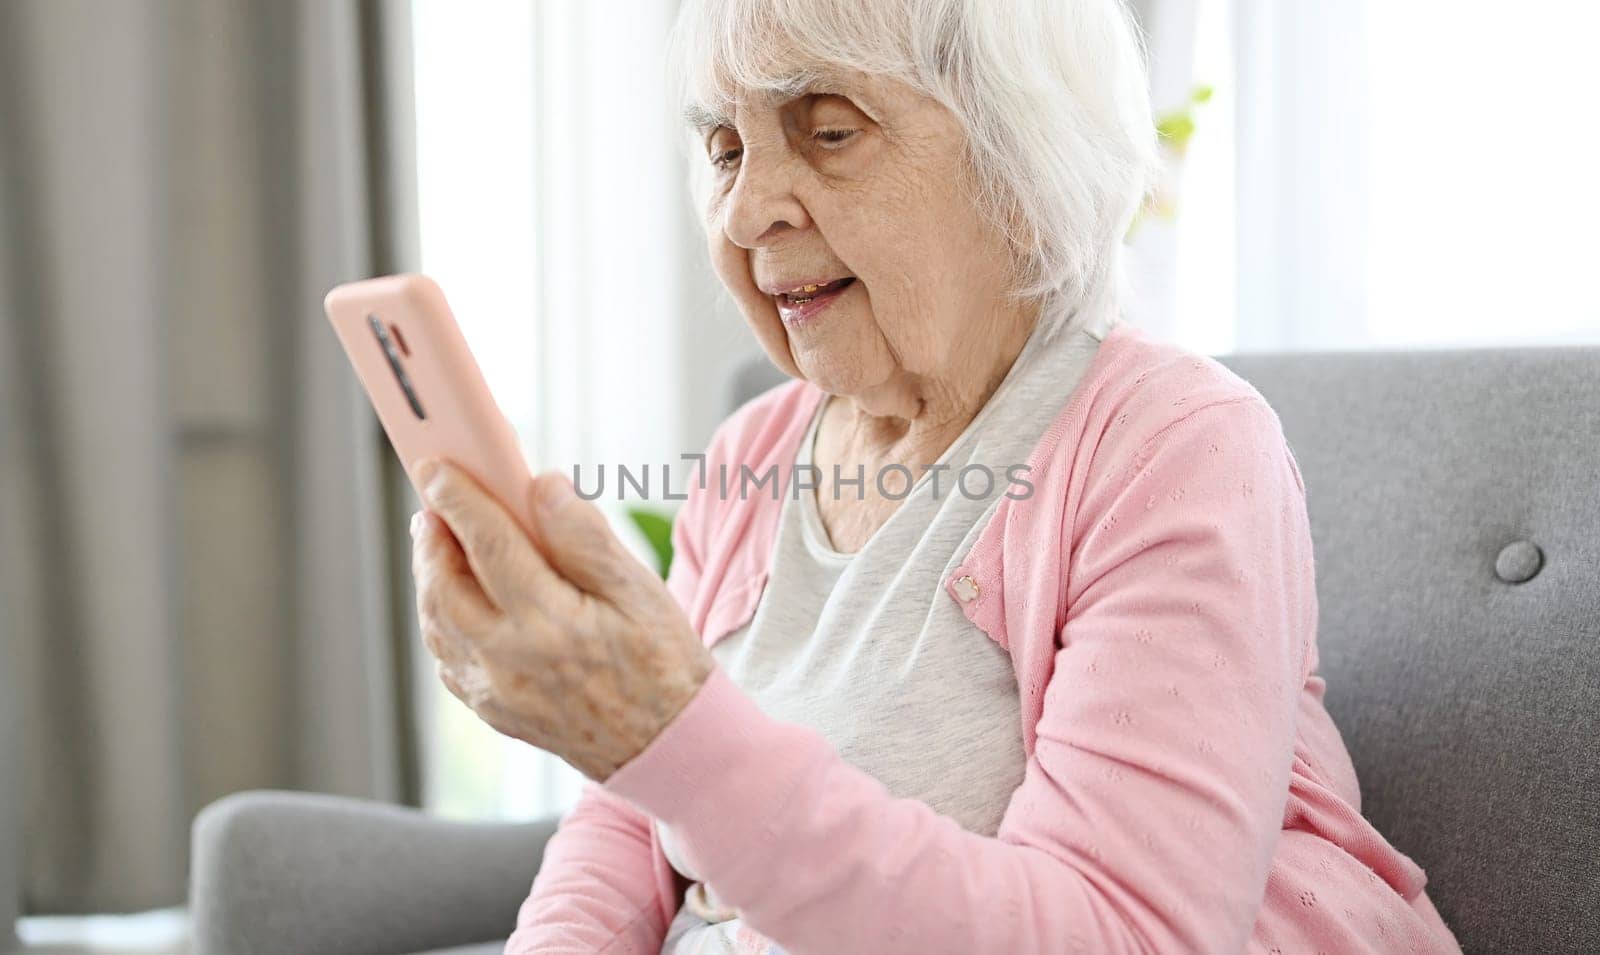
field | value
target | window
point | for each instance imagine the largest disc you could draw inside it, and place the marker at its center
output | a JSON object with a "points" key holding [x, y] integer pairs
{"points": [[1484, 206], [1389, 175], [475, 102]]}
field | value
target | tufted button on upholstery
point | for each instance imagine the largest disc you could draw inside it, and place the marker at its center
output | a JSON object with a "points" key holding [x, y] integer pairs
{"points": [[1518, 561], [966, 588]]}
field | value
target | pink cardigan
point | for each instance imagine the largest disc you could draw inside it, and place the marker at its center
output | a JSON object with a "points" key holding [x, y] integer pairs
{"points": [[1185, 789]]}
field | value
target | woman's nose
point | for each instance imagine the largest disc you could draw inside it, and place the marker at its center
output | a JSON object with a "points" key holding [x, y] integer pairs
{"points": [[762, 206]]}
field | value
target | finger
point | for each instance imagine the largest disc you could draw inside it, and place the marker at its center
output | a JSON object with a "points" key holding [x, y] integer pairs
{"points": [[582, 546], [448, 593], [512, 573]]}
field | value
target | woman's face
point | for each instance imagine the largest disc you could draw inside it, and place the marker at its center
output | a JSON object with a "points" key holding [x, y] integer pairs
{"points": [[860, 179]]}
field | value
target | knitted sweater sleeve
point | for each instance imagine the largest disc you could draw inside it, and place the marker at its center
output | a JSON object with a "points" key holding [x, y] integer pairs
{"points": [[595, 890]]}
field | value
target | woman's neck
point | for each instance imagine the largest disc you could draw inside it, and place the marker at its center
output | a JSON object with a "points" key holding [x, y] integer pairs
{"points": [[913, 419]]}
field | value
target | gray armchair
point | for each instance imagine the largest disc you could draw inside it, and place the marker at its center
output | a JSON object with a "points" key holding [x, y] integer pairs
{"points": [[1455, 508], [302, 872]]}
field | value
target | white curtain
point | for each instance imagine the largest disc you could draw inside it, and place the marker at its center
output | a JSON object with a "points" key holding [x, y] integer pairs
{"points": [[1169, 29], [1272, 256], [1301, 125], [1376, 175], [637, 336]]}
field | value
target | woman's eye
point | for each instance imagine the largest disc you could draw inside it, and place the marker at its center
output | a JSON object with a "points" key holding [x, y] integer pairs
{"points": [[721, 160], [833, 136]]}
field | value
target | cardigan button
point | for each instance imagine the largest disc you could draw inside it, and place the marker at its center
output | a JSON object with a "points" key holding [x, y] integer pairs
{"points": [[966, 588]]}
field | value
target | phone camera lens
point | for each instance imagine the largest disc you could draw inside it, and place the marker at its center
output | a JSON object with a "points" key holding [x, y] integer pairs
{"points": [[382, 334]]}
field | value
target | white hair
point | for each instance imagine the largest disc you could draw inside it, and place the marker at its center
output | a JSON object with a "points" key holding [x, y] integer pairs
{"points": [[1061, 145]]}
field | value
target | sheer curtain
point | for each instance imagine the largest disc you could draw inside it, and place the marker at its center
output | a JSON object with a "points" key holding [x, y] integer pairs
{"points": [[1258, 253], [1484, 207], [1376, 175], [1300, 132], [1169, 28]]}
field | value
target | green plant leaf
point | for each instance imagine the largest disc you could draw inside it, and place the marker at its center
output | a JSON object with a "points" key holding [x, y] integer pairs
{"points": [[657, 530], [1176, 128]]}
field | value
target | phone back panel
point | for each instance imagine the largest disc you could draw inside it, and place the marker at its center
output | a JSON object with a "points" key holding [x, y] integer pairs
{"points": [[398, 330]]}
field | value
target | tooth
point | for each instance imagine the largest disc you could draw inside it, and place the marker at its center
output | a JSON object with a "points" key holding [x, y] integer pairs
{"points": [[809, 288]]}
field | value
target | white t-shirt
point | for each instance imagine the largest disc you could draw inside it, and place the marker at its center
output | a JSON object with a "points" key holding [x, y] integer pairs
{"points": [[869, 650]]}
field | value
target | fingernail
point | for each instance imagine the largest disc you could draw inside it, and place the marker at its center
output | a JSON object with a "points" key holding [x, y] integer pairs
{"points": [[416, 523]]}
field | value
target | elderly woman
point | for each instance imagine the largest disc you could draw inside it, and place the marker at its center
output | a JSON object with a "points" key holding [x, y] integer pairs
{"points": [[992, 631]]}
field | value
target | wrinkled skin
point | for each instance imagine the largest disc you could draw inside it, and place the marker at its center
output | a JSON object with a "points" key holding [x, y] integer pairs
{"points": [[864, 177], [571, 645]]}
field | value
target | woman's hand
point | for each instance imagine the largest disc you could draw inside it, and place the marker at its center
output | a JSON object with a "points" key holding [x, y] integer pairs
{"points": [[572, 644]]}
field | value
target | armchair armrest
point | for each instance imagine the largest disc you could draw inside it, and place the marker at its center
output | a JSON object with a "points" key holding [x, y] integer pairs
{"points": [[276, 871]]}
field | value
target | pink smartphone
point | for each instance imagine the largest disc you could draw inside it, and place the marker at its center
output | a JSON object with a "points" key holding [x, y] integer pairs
{"points": [[430, 395]]}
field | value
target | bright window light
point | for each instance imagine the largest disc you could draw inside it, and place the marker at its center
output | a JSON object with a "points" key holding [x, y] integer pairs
{"points": [[476, 176], [1205, 266], [1485, 209]]}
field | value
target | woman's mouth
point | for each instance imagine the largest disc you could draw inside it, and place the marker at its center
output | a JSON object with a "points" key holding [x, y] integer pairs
{"points": [[804, 304]]}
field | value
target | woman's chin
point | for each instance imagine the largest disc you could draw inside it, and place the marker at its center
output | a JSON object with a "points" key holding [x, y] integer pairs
{"points": [[838, 371]]}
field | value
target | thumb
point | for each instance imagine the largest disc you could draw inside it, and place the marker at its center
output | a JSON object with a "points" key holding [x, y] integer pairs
{"points": [[581, 546]]}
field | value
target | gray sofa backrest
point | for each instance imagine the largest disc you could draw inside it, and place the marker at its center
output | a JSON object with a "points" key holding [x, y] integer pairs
{"points": [[1454, 498]]}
